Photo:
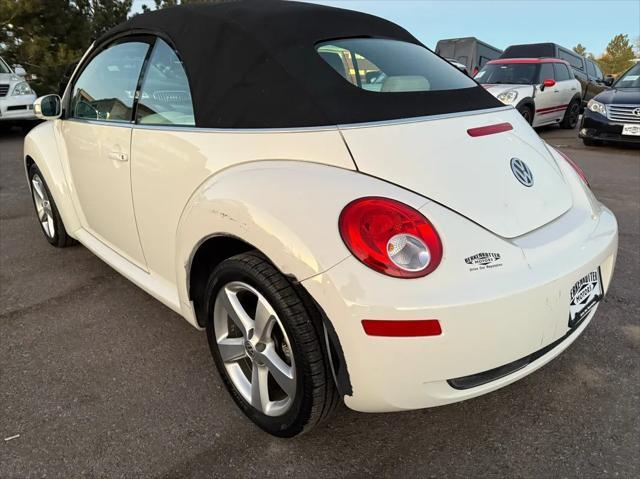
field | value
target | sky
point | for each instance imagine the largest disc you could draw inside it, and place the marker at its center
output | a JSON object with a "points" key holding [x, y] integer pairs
{"points": [[504, 22]]}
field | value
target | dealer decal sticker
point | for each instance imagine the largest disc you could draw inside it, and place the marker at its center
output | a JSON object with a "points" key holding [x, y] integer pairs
{"points": [[480, 261]]}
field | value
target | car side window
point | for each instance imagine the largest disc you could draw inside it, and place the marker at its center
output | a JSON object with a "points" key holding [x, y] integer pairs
{"points": [[573, 60], [546, 72], [165, 97], [106, 87], [591, 69], [561, 71], [599, 74]]}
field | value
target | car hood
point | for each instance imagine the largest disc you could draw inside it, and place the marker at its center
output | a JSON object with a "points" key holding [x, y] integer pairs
{"points": [[439, 159], [620, 96], [496, 89]]}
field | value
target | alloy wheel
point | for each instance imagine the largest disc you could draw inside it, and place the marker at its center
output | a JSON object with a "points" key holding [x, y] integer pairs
{"points": [[254, 348], [43, 206]]}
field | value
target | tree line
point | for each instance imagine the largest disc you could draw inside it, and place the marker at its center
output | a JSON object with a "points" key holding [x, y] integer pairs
{"points": [[616, 58], [47, 37]]}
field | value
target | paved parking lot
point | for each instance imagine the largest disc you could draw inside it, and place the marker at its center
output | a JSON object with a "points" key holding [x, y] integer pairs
{"points": [[99, 379]]}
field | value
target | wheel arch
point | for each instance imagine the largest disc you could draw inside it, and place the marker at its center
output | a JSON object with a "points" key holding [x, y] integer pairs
{"points": [[41, 149], [211, 251], [215, 249], [530, 103], [283, 210], [577, 97]]}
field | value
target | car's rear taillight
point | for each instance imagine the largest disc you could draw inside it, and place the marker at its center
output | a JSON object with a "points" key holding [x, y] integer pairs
{"points": [[574, 165], [390, 237]]}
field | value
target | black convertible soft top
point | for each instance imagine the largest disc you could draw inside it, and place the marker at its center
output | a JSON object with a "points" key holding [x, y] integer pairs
{"points": [[253, 64]]}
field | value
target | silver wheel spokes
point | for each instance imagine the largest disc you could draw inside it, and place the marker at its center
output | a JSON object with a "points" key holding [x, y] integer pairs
{"points": [[255, 348], [43, 206]]}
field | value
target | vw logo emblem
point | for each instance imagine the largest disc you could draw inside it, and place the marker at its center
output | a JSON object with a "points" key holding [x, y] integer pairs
{"points": [[521, 171], [636, 111]]}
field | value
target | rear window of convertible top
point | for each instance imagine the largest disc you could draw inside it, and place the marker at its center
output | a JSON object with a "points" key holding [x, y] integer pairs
{"points": [[391, 66]]}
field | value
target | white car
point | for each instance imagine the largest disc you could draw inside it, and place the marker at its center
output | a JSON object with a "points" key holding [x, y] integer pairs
{"points": [[16, 96], [543, 90], [399, 249]]}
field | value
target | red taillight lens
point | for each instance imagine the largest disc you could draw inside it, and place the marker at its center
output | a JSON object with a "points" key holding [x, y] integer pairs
{"points": [[575, 166], [390, 237]]}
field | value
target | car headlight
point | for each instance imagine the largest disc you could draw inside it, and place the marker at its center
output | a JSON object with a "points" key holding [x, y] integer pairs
{"points": [[508, 96], [22, 88], [597, 107]]}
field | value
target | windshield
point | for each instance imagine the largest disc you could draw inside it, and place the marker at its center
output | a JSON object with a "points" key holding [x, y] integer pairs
{"points": [[4, 68], [509, 73], [391, 66], [631, 79]]}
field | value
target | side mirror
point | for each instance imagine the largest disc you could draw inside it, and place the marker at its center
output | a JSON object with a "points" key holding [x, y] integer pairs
{"points": [[48, 107], [18, 70], [547, 83], [608, 80]]}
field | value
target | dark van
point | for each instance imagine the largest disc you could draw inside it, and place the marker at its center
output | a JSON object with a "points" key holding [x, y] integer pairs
{"points": [[586, 71]]}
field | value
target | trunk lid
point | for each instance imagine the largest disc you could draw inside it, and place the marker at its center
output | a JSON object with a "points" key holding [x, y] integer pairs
{"points": [[439, 160]]}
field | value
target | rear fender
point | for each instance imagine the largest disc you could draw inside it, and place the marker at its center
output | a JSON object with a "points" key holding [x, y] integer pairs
{"points": [[288, 210]]}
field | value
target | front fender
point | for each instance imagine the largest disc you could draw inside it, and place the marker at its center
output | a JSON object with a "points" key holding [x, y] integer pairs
{"points": [[288, 210], [41, 146]]}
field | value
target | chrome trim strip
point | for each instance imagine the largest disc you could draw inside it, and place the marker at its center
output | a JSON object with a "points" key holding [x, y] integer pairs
{"points": [[420, 119], [194, 129], [120, 124]]}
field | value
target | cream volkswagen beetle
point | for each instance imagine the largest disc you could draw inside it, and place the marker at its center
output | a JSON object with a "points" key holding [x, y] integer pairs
{"points": [[344, 212]]}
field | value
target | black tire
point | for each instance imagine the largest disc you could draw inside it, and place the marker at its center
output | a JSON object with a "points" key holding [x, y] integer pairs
{"points": [[591, 142], [527, 113], [316, 396], [60, 238], [570, 119]]}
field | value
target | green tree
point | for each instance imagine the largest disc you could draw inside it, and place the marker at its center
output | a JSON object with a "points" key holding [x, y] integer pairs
{"points": [[618, 55], [46, 36], [580, 49]]}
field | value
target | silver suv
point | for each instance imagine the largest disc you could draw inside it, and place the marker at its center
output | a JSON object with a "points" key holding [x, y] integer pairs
{"points": [[16, 96]]}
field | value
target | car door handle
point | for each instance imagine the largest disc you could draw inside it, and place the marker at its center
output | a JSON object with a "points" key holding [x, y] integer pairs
{"points": [[573, 89], [118, 156]]}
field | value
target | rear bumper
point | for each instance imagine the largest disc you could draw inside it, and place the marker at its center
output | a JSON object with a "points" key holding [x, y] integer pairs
{"points": [[596, 127], [490, 319], [18, 107]]}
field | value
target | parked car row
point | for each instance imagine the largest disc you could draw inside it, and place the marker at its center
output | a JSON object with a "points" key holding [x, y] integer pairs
{"points": [[586, 71], [549, 84]]}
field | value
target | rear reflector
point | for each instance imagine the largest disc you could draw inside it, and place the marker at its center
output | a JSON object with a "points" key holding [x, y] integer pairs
{"points": [[420, 327], [490, 129]]}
